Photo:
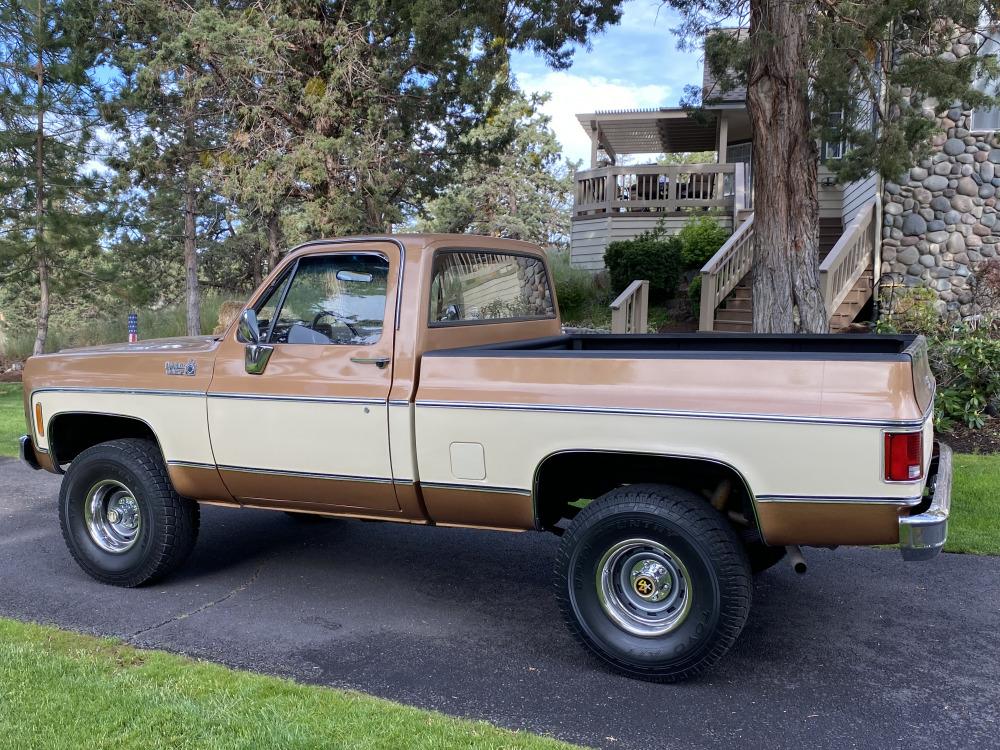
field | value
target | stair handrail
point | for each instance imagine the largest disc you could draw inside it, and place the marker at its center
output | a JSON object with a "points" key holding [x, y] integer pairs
{"points": [[724, 271], [848, 259], [630, 310]]}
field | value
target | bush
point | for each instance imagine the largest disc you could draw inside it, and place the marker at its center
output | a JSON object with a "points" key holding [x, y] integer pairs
{"points": [[694, 296], [701, 238], [576, 289], [648, 256], [910, 310], [967, 367]]}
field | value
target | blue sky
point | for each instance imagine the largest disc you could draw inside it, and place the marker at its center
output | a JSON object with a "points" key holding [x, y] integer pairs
{"points": [[635, 64]]}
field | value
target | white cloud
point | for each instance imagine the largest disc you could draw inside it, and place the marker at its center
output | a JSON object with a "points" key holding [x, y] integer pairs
{"points": [[572, 94]]}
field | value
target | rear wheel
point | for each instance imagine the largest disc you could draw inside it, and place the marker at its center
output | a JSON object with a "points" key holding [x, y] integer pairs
{"points": [[654, 581], [122, 520]]}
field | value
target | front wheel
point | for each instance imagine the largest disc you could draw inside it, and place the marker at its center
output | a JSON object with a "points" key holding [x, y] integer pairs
{"points": [[654, 581], [122, 520]]}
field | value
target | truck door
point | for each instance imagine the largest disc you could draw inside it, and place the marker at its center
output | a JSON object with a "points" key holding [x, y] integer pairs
{"points": [[310, 430]]}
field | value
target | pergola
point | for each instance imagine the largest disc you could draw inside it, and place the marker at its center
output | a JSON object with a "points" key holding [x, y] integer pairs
{"points": [[665, 130]]}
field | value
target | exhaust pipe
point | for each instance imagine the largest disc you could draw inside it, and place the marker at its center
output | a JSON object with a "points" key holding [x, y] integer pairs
{"points": [[795, 558]]}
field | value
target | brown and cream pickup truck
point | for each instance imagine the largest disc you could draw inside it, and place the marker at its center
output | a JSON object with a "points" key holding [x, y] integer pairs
{"points": [[425, 379]]}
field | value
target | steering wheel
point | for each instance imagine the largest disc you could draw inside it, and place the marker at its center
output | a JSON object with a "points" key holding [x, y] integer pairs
{"points": [[327, 314]]}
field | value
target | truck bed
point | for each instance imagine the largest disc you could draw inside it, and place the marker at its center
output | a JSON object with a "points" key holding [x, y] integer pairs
{"points": [[867, 347]]}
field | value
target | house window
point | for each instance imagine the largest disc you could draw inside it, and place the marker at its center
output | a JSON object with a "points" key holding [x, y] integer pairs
{"points": [[987, 118], [835, 149]]}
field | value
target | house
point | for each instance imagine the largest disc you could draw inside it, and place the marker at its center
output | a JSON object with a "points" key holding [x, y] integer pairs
{"points": [[931, 227]]}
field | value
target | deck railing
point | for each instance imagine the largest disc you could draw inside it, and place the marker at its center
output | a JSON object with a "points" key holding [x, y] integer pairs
{"points": [[630, 311], [853, 253], [723, 272], [659, 189]]}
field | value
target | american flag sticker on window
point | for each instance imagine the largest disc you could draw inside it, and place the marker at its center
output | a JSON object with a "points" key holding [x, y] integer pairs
{"points": [[133, 328]]}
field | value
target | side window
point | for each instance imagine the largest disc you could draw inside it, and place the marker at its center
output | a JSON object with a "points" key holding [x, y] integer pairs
{"points": [[265, 308], [334, 299], [478, 286]]}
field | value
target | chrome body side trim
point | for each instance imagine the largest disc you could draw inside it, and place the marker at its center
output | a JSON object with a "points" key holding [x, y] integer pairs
{"points": [[922, 537], [907, 502], [126, 391], [306, 474], [320, 399], [676, 413], [191, 465], [475, 488]]}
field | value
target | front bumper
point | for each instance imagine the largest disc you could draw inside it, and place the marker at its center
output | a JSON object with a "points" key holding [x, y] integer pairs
{"points": [[922, 536], [27, 451]]}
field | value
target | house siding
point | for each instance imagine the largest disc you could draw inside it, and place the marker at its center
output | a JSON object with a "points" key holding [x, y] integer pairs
{"points": [[591, 237], [857, 195]]}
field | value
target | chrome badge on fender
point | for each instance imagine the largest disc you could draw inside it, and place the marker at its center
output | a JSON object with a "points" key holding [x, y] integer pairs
{"points": [[181, 368]]}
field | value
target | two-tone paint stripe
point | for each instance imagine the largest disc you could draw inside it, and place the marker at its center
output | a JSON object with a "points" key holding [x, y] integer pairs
{"points": [[508, 406], [674, 413]]}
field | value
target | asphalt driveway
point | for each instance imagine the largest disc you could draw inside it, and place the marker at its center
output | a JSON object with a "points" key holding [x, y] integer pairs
{"points": [[864, 651]]}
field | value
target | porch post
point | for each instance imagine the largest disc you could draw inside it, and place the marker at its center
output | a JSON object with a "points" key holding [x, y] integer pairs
{"points": [[593, 148], [723, 147], [723, 137]]}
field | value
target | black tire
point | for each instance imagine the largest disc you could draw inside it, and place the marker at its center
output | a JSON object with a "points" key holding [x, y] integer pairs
{"points": [[167, 523], [762, 557], [698, 541]]}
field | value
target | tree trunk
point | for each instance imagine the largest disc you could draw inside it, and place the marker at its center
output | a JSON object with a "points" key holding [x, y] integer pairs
{"points": [[786, 204], [191, 261], [274, 241], [43, 265]]}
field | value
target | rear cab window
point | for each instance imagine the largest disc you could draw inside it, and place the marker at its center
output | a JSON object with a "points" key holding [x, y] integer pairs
{"points": [[488, 286]]}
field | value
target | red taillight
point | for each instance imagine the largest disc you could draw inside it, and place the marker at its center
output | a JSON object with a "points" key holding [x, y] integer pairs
{"points": [[904, 456]]}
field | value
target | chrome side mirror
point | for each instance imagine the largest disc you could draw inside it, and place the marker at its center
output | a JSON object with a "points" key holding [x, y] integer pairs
{"points": [[249, 328], [255, 354]]}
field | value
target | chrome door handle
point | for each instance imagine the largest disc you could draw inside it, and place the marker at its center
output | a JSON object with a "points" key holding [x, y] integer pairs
{"points": [[379, 362]]}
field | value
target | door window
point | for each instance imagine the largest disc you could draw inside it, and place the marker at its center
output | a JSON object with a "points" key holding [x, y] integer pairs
{"points": [[333, 299]]}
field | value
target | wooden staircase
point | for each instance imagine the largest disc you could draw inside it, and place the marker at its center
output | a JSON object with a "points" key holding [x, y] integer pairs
{"points": [[846, 269]]}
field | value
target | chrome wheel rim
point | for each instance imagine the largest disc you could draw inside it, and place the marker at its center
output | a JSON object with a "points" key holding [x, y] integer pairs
{"points": [[643, 587], [112, 515]]}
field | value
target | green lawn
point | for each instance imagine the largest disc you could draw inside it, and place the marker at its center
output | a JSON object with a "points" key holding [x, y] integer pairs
{"points": [[974, 524], [64, 690], [11, 418]]}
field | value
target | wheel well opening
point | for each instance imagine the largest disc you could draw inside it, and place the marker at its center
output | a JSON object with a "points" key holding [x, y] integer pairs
{"points": [[71, 434], [565, 482]]}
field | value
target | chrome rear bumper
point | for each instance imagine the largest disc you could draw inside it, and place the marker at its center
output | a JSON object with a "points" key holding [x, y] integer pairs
{"points": [[922, 536], [27, 451]]}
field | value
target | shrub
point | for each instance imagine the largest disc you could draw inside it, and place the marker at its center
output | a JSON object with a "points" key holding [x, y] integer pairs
{"points": [[967, 367], [701, 237], [694, 296], [576, 289], [648, 256], [910, 310]]}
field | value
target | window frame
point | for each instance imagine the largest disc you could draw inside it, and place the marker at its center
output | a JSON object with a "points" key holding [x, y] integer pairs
{"points": [[992, 36], [489, 321], [290, 274]]}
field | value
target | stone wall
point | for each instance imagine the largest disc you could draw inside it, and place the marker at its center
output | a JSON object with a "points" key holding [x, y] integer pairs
{"points": [[940, 221]]}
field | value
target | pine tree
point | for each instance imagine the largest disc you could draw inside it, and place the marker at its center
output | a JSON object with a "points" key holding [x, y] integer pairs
{"points": [[518, 187], [49, 99]]}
